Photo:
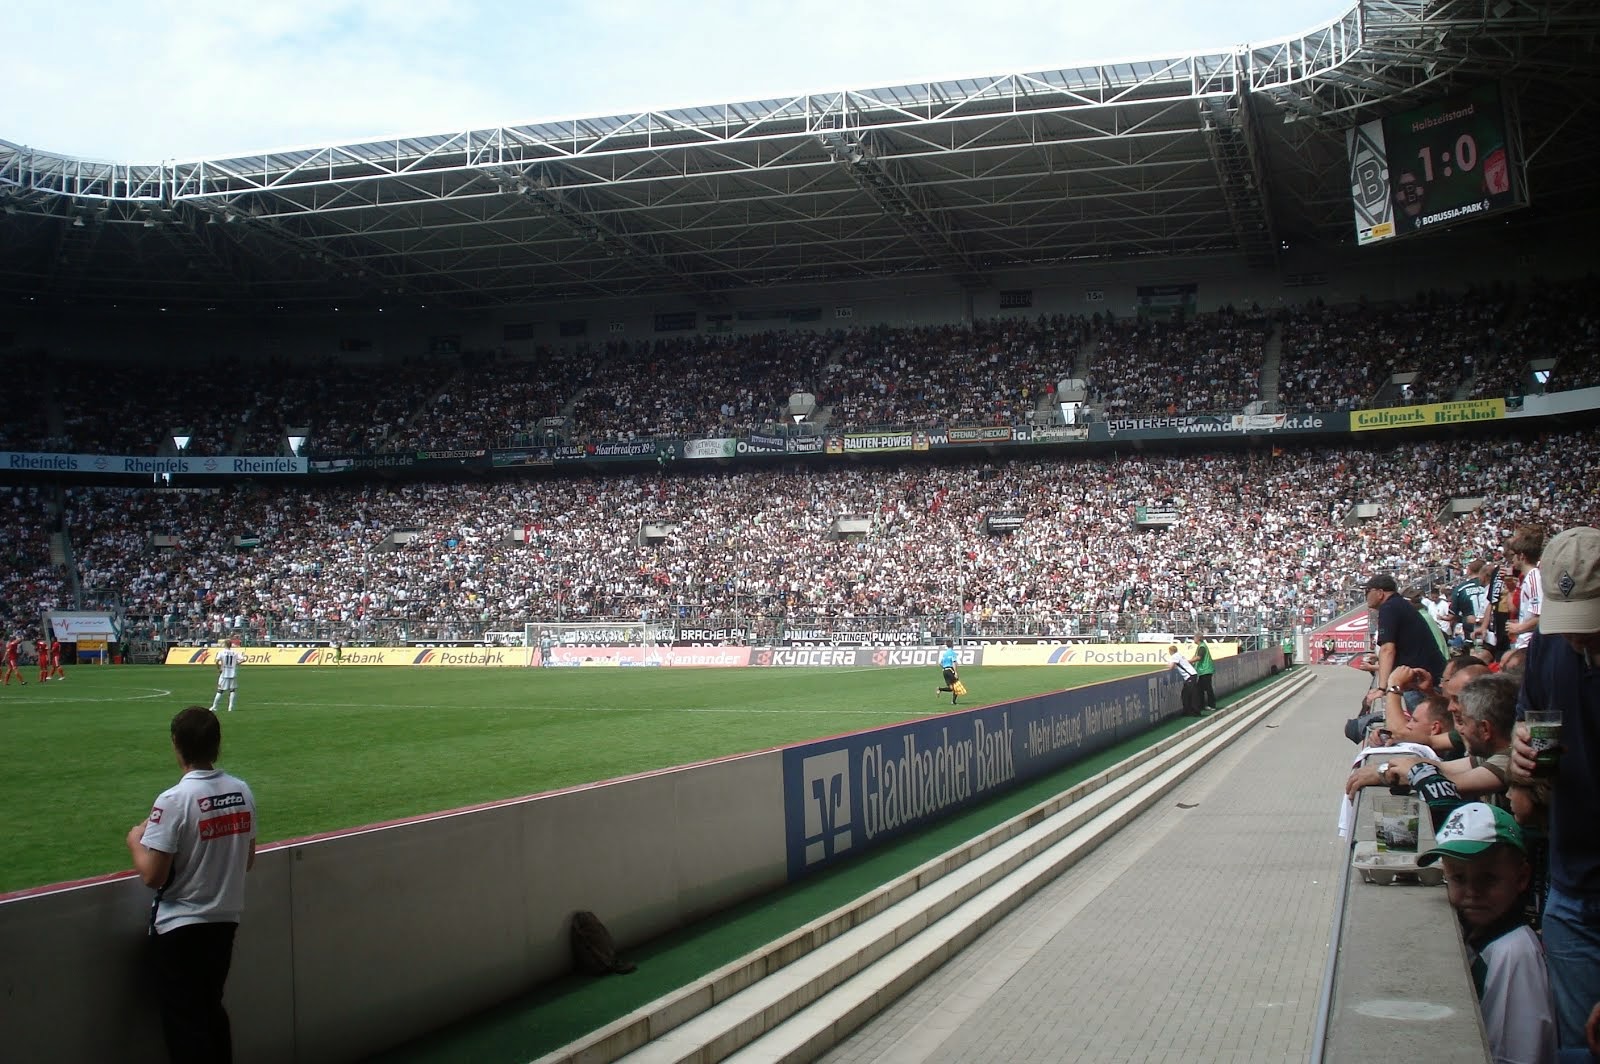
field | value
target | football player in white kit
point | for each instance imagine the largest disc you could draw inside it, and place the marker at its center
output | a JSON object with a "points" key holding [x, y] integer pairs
{"points": [[229, 658]]}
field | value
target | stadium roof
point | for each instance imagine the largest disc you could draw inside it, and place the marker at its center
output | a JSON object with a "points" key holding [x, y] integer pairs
{"points": [[1234, 152]]}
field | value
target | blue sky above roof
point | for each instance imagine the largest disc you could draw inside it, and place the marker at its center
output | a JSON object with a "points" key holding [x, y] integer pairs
{"points": [[136, 83]]}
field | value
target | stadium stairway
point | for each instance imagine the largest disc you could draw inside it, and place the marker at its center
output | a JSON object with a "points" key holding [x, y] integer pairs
{"points": [[1080, 361], [798, 996], [1271, 360]]}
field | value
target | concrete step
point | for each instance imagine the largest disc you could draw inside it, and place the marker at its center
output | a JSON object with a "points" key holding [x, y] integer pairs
{"points": [[801, 993]]}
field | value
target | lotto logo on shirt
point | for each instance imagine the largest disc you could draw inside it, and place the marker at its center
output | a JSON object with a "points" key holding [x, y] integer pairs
{"points": [[218, 802], [222, 826]]}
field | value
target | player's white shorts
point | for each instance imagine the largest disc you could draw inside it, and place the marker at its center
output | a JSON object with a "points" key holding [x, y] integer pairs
{"points": [[228, 685]]}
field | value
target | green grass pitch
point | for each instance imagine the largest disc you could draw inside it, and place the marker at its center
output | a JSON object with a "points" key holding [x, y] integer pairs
{"points": [[329, 748]]}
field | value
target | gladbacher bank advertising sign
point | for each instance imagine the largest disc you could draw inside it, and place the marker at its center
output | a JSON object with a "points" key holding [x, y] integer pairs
{"points": [[470, 657], [1405, 417]]}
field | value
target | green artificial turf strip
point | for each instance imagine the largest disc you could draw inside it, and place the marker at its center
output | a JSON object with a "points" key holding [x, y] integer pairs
{"points": [[564, 1010], [330, 748]]}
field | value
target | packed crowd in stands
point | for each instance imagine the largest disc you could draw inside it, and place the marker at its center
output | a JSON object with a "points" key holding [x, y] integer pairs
{"points": [[30, 582], [991, 373], [1341, 357], [697, 386], [995, 372], [1206, 364], [1257, 533], [1557, 322]]}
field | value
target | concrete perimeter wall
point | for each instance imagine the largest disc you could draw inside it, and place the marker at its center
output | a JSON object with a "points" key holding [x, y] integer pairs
{"points": [[358, 941]]}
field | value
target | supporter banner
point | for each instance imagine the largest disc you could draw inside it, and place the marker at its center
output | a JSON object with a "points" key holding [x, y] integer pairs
{"points": [[540, 456], [649, 657], [1053, 434], [878, 442], [965, 436], [1402, 417], [1152, 654], [610, 451], [756, 443], [350, 463], [473, 657], [859, 657], [715, 636], [804, 445], [1181, 426], [834, 637], [1004, 521], [451, 455], [209, 465], [725, 448]]}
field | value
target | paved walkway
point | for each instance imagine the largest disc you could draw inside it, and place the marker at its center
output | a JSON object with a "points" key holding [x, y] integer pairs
{"points": [[1198, 933]]}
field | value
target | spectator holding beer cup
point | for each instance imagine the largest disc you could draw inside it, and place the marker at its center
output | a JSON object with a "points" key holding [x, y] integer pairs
{"points": [[1558, 743]]}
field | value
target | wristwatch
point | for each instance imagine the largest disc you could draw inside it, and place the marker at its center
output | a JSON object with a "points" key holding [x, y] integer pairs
{"points": [[1383, 772]]}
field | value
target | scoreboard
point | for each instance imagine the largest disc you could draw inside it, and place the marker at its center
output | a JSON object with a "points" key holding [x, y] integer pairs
{"points": [[1445, 162]]}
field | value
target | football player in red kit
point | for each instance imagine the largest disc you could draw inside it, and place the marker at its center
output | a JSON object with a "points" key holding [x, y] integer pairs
{"points": [[56, 671], [42, 649], [13, 649]]}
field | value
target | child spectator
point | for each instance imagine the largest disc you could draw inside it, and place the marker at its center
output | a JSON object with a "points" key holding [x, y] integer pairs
{"points": [[1487, 874]]}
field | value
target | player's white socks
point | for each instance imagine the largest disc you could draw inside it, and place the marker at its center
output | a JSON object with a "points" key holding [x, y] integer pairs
{"points": [[230, 702], [215, 699]]}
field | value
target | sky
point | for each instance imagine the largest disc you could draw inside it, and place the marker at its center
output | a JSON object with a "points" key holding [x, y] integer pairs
{"points": [[146, 81]]}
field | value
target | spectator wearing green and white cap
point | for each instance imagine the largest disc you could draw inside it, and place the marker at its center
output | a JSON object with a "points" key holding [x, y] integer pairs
{"points": [[1487, 874]]}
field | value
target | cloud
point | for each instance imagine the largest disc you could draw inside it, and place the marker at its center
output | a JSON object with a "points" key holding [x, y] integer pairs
{"points": [[137, 83]]}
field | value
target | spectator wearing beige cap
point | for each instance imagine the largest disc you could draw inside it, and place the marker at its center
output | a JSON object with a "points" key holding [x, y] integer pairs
{"points": [[1563, 674]]}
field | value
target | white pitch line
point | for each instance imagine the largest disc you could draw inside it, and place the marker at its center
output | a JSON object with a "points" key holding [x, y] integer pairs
{"points": [[35, 700]]}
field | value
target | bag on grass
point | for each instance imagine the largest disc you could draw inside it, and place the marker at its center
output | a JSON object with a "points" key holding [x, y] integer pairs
{"points": [[593, 950], [959, 688]]}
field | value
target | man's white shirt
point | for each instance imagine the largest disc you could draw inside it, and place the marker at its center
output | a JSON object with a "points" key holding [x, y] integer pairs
{"points": [[1529, 603], [1347, 808]]}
